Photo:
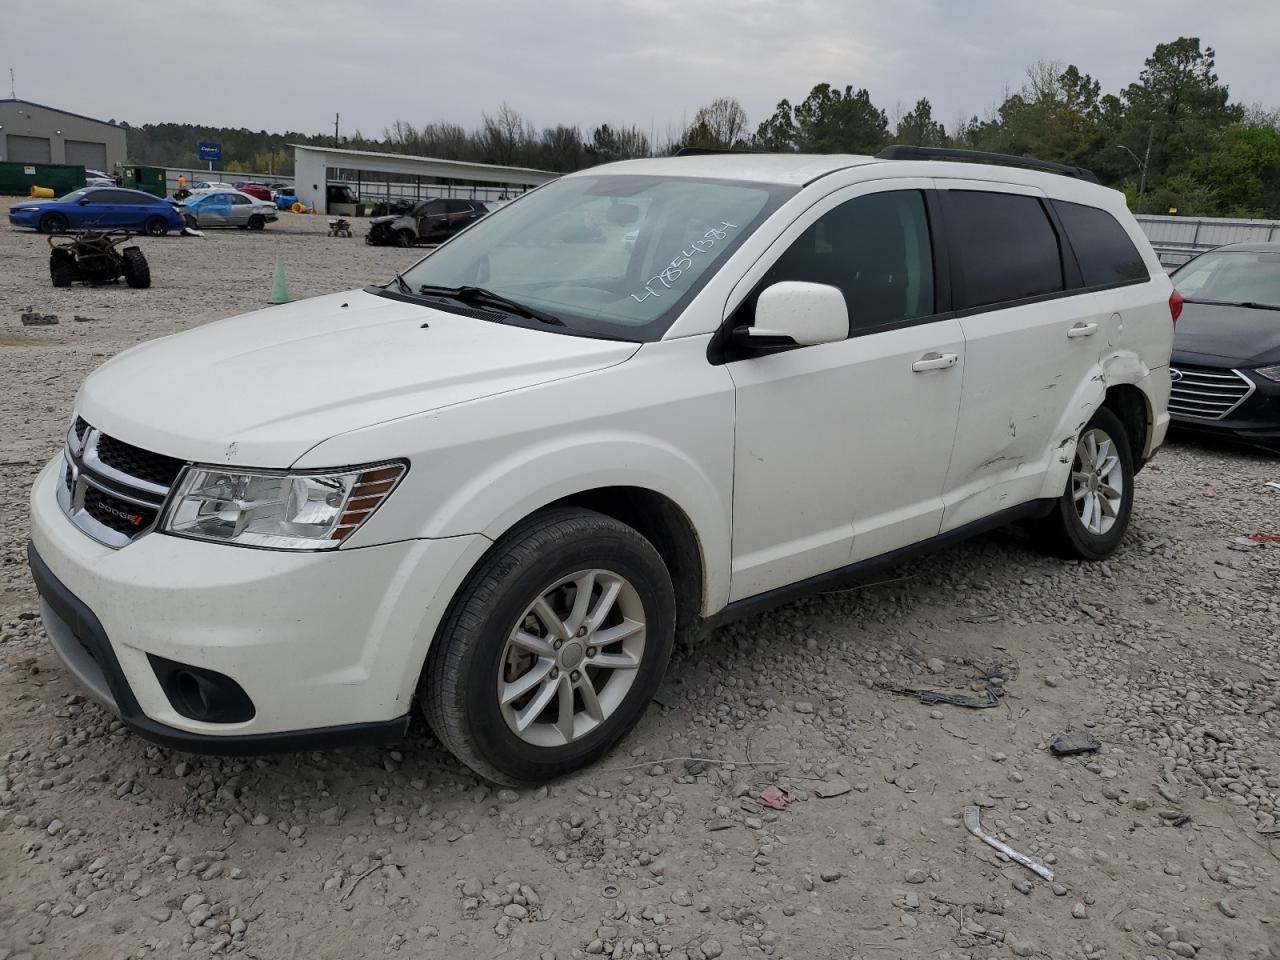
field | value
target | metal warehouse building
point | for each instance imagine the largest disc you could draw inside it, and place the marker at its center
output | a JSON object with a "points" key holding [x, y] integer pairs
{"points": [[33, 133]]}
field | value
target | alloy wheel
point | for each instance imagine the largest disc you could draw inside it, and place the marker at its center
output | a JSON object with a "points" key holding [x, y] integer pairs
{"points": [[1097, 481], [571, 658]]}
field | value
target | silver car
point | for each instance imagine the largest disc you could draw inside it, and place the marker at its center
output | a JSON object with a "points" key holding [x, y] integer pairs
{"points": [[227, 208]]}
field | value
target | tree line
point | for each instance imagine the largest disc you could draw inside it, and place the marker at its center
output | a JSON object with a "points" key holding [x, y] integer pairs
{"points": [[1172, 140]]}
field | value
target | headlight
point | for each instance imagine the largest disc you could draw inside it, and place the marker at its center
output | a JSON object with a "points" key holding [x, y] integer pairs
{"points": [[23, 209], [1271, 373], [279, 511]]}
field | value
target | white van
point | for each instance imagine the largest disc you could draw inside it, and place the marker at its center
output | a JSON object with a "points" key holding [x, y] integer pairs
{"points": [[643, 397]]}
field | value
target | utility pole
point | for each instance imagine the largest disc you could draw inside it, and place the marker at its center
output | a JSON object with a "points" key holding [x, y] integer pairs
{"points": [[1146, 158], [13, 95], [336, 141]]}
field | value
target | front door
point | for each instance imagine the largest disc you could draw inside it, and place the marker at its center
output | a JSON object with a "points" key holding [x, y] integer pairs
{"points": [[842, 449]]}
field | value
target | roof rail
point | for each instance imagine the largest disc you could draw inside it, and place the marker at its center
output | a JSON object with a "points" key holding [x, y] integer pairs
{"points": [[703, 151], [904, 152]]}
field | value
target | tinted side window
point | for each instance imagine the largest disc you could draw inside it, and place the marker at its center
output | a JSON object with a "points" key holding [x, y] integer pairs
{"points": [[1102, 247], [457, 206], [876, 250], [109, 196], [1004, 245]]}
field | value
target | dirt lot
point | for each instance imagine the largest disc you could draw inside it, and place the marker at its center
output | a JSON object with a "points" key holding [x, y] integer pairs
{"points": [[1164, 844]]}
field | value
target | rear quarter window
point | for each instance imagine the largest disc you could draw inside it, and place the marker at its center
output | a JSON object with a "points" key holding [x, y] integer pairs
{"points": [[1102, 246], [1005, 246]]}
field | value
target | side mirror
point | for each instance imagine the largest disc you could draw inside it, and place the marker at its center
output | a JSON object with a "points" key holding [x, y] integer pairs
{"points": [[84, 201], [793, 312]]}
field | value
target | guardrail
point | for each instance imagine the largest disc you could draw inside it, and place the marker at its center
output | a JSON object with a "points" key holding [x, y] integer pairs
{"points": [[1177, 239]]}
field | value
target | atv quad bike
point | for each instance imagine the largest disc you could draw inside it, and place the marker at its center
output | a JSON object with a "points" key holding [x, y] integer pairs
{"points": [[93, 257]]}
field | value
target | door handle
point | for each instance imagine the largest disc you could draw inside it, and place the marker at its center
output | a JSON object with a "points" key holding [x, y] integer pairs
{"points": [[1082, 329], [935, 361]]}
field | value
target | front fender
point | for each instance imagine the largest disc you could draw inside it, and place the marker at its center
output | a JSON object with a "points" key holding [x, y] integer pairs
{"points": [[530, 478]]}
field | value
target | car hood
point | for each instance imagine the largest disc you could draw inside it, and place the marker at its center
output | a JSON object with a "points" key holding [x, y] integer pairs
{"points": [[1227, 336], [391, 218], [263, 388]]}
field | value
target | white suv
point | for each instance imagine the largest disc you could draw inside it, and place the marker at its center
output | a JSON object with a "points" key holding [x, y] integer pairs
{"points": [[643, 397]]}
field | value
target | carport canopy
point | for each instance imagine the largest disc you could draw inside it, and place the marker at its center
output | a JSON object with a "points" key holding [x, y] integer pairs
{"points": [[311, 167]]}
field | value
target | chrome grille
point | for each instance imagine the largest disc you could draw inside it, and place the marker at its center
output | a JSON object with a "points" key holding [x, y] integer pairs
{"points": [[1206, 393], [111, 490]]}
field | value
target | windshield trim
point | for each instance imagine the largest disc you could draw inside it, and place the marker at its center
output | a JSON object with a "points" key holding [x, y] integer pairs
{"points": [[579, 324]]}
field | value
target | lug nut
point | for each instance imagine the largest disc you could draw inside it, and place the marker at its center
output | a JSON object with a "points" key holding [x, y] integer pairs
{"points": [[591, 651], [582, 631], [558, 644], [555, 672], [574, 676]]}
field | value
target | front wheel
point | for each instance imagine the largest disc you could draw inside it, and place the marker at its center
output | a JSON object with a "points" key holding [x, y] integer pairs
{"points": [[552, 649], [156, 227], [1090, 518], [53, 223], [256, 222]]}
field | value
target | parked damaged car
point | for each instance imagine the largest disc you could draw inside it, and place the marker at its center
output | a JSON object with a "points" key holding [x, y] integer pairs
{"points": [[428, 221]]}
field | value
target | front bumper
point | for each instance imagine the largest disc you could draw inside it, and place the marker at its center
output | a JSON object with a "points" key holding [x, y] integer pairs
{"points": [[327, 646], [1255, 421], [28, 220]]}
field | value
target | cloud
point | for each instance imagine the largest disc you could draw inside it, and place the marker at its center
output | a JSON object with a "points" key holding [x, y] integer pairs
{"points": [[291, 64]]}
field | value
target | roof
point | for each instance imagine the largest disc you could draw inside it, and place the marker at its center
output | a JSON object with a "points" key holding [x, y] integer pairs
{"points": [[1246, 246], [66, 113], [427, 166], [795, 169]]}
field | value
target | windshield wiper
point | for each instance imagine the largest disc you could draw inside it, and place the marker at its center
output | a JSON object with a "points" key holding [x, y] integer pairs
{"points": [[403, 284], [480, 295], [1252, 304]]}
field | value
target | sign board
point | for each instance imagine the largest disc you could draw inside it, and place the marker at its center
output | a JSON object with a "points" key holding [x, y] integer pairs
{"points": [[211, 151], [29, 171]]}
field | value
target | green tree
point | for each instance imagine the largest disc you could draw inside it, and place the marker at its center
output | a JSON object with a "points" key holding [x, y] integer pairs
{"points": [[918, 128], [834, 121], [1242, 169], [777, 134]]}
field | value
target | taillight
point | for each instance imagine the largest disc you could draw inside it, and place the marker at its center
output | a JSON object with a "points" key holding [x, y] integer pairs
{"points": [[1175, 305]]}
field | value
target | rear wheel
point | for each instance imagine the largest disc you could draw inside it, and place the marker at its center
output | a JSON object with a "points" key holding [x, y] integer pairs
{"points": [[1090, 518], [553, 648], [156, 227], [256, 222], [62, 270], [137, 273], [53, 223]]}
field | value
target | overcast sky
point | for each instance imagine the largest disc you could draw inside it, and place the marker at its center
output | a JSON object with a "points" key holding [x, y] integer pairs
{"points": [[290, 64]]}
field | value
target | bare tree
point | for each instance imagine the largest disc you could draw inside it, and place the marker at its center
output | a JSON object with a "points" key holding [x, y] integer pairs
{"points": [[722, 121], [505, 136]]}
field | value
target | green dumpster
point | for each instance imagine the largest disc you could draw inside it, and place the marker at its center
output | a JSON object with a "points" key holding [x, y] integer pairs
{"points": [[17, 178], [149, 179]]}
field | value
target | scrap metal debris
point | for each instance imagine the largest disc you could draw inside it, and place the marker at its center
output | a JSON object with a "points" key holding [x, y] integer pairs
{"points": [[994, 678], [775, 798], [973, 823], [32, 319], [1074, 741]]}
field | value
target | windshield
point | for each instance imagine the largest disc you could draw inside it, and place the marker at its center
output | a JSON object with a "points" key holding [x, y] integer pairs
{"points": [[1231, 276], [75, 194], [616, 255]]}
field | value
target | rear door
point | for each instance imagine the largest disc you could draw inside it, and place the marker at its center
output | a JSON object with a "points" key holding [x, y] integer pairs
{"points": [[102, 212], [433, 223], [1028, 347], [461, 215], [241, 209], [842, 448]]}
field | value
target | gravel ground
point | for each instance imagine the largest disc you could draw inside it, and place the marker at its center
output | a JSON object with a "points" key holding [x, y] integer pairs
{"points": [[1163, 844]]}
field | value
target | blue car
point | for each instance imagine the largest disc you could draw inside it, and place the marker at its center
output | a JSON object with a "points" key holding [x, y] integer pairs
{"points": [[285, 199], [99, 208]]}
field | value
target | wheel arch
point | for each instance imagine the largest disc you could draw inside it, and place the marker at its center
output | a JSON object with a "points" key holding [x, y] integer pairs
{"points": [[1133, 409]]}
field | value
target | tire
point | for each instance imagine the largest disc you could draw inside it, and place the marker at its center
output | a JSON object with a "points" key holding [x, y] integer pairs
{"points": [[1086, 523], [190, 221], [156, 227], [550, 555], [53, 223], [62, 270], [405, 238], [137, 273], [256, 222]]}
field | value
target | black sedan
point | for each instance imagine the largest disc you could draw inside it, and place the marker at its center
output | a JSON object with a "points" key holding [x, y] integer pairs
{"points": [[1226, 350]]}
